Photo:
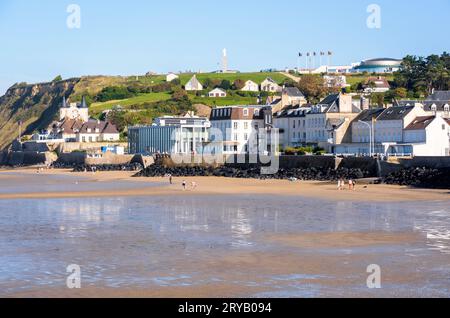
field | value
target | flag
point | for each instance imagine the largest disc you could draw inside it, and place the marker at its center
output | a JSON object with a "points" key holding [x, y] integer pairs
{"points": [[330, 53], [308, 54], [315, 53]]}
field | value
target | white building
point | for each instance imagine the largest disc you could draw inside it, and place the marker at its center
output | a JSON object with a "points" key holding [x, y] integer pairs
{"points": [[269, 85], [171, 77], [400, 130], [438, 103], [170, 134], [376, 85], [74, 111], [328, 122], [239, 127], [97, 131], [291, 123], [335, 81], [193, 84], [250, 86], [426, 136], [217, 92]]}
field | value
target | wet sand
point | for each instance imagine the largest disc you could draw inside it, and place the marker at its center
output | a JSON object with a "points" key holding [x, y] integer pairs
{"points": [[227, 238], [228, 186]]}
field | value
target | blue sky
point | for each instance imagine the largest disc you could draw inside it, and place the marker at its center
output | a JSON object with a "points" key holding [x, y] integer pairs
{"points": [[135, 36]]}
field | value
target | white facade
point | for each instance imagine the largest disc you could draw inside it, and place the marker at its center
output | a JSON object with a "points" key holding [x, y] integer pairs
{"points": [[193, 84], [269, 85], [217, 92], [171, 77], [432, 140], [335, 81], [250, 86], [73, 111], [239, 128], [292, 126]]}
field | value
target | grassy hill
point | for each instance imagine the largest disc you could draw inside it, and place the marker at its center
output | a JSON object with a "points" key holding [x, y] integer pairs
{"points": [[97, 108]]}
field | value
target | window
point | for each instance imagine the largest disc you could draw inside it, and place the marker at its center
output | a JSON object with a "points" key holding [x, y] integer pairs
{"points": [[245, 136], [235, 137], [245, 112], [245, 125], [256, 112], [236, 125]]}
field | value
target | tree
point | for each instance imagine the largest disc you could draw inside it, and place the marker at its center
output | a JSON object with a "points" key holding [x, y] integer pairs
{"points": [[225, 84], [57, 79], [179, 94], [238, 84], [378, 99], [314, 88], [401, 92], [421, 75]]}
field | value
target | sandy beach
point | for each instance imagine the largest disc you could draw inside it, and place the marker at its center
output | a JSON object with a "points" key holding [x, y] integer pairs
{"points": [[142, 237], [227, 186]]}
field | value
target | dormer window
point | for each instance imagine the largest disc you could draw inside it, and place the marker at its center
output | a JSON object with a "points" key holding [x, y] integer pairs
{"points": [[256, 112], [245, 112], [446, 108], [434, 108]]}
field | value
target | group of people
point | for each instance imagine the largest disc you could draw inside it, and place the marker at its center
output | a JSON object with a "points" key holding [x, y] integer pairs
{"points": [[184, 184], [351, 184]]}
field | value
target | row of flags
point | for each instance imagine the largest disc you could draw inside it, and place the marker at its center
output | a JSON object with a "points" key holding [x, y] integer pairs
{"points": [[329, 53]]}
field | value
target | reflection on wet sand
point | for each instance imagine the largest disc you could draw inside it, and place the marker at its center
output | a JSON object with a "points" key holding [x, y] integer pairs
{"points": [[221, 246]]}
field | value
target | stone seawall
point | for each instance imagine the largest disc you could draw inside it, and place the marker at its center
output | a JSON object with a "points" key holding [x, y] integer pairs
{"points": [[81, 158], [26, 158], [427, 162]]}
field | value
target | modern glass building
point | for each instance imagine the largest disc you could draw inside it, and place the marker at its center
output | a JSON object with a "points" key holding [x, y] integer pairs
{"points": [[169, 135], [382, 65]]}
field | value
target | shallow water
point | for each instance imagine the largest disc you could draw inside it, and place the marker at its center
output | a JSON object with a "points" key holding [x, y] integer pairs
{"points": [[272, 246]]}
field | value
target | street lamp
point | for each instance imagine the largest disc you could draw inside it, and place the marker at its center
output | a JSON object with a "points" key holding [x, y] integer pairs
{"points": [[370, 135]]}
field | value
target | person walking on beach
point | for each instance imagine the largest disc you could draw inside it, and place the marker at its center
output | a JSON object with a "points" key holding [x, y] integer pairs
{"points": [[184, 184], [350, 185], [170, 179], [341, 184]]}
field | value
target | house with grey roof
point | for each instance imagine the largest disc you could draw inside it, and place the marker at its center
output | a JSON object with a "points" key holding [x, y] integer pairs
{"points": [[438, 103], [329, 121], [97, 131], [292, 96], [291, 122]]}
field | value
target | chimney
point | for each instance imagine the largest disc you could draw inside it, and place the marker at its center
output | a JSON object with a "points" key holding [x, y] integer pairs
{"points": [[365, 104], [345, 103]]}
